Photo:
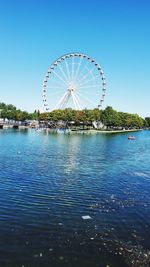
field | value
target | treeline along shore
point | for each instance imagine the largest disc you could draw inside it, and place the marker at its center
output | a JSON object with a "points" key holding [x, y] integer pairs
{"points": [[108, 117]]}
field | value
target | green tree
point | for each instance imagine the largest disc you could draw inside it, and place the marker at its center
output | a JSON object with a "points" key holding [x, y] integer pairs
{"points": [[110, 117], [147, 121]]}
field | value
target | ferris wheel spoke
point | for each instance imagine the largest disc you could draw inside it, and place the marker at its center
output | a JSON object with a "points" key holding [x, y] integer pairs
{"points": [[88, 93], [68, 71], [72, 68], [58, 86], [65, 77], [56, 95], [55, 87], [89, 86], [56, 81], [60, 78], [86, 75], [86, 98], [79, 65], [55, 90], [82, 72], [90, 80]]}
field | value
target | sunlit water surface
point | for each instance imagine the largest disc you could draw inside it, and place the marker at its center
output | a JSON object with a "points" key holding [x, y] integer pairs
{"points": [[48, 182]]}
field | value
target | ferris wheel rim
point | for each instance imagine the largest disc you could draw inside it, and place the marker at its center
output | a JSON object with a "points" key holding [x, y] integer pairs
{"points": [[54, 65]]}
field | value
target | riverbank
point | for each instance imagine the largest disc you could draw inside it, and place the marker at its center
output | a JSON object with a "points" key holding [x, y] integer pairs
{"points": [[69, 131], [121, 131], [89, 131]]}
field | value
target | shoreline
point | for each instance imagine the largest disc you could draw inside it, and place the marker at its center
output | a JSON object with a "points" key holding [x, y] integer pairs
{"points": [[120, 131], [70, 131], [67, 131]]}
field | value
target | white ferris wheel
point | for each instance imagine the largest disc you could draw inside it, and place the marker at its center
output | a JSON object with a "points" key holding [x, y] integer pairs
{"points": [[74, 81]]}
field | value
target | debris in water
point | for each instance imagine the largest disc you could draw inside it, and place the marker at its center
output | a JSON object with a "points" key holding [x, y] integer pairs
{"points": [[86, 217], [35, 255]]}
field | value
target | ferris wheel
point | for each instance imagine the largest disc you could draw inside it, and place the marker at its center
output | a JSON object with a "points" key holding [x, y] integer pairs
{"points": [[74, 81]]}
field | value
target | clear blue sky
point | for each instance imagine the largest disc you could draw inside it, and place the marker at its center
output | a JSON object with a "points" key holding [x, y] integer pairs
{"points": [[116, 33]]}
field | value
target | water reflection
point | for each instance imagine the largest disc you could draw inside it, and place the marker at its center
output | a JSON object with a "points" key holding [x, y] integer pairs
{"points": [[56, 181]]}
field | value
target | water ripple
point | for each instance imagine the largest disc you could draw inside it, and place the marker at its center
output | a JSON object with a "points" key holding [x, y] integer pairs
{"points": [[50, 183]]}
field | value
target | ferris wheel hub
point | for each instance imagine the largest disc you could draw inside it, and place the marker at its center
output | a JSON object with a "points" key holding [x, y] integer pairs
{"points": [[72, 88]]}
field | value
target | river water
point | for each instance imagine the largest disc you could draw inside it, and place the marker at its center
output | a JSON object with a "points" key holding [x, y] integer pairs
{"points": [[48, 183]]}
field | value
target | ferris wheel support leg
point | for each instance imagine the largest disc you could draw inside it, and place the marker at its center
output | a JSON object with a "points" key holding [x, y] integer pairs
{"points": [[61, 101], [78, 101], [65, 101], [75, 101]]}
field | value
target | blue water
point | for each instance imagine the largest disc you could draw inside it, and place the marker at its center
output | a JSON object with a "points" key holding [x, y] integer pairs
{"points": [[48, 182]]}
